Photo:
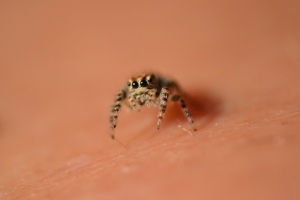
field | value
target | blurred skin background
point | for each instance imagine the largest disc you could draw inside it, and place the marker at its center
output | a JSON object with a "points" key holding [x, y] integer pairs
{"points": [[62, 63]]}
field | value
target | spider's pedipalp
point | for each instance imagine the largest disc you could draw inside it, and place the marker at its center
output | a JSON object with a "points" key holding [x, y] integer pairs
{"points": [[151, 98], [133, 104]]}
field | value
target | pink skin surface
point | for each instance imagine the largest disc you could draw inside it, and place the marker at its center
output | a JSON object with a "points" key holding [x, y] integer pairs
{"points": [[62, 62]]}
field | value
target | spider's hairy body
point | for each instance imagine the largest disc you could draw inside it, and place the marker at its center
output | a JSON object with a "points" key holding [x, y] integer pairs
{"points": [[149, 90]]}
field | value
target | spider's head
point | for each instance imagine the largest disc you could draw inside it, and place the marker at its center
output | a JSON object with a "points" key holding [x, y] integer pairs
{"points": [[143, 82]]}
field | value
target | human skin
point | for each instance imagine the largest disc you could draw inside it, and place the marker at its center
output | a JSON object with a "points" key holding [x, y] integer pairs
{"points": [[63, 63]]}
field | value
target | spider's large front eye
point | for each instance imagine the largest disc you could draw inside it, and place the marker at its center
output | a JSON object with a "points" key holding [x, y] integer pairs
{"points": [[143, 83], [135, 84]]}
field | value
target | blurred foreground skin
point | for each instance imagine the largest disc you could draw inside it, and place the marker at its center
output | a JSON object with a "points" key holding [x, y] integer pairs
{"points": [[61, 63]]}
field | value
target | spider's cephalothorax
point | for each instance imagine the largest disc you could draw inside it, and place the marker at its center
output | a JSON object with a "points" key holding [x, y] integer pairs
{"points": [[150, 90]]}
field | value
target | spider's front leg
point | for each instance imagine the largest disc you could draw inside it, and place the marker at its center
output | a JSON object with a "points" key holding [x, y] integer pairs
{"points": [[115, 111], [163, 100]]}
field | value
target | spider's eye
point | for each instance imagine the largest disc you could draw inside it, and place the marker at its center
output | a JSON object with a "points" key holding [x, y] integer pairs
{"points": [[150, 79], [129, 84], [143, 83], [135, 84]]}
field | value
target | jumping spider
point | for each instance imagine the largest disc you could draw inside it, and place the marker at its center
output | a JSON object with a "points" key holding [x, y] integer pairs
{"points": [[150, 90]]}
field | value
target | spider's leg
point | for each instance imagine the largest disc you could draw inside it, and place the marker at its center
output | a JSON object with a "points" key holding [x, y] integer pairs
{"points": [[184, 109], [115, 111], [164, 95]]}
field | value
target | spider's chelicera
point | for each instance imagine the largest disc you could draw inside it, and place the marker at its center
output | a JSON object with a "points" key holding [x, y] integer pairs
{"points": [[150, 90]]}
